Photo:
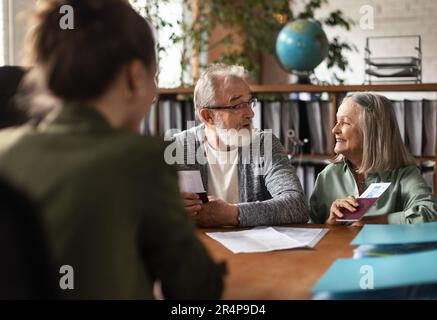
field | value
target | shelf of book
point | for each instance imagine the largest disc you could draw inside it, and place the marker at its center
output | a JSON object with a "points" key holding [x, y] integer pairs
{"points": [[327, 157], [290, 88]]}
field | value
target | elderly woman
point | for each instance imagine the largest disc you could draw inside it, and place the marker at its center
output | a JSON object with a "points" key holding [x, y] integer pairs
{"points": [[369, 149]]}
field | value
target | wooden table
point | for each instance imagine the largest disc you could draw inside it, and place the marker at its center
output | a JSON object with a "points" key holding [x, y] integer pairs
{"points": [[287, 274]]}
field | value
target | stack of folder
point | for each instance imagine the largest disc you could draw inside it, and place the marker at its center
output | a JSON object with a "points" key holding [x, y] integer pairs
{"points": [[391, 262]]}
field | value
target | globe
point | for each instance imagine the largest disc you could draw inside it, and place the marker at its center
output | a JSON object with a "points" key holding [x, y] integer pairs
{"points": [[301, 45]]}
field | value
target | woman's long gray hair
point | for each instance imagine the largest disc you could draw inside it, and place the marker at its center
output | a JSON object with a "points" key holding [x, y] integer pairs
{"points": [[383, 148]]}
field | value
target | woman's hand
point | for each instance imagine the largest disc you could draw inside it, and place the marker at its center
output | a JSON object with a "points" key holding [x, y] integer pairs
{"points": [[349, 203]]}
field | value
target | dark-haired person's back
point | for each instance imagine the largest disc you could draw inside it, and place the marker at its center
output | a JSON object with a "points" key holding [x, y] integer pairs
{"points": [[111, 208]]}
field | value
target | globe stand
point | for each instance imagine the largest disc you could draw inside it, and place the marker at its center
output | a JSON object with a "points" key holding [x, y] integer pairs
{"points": [[303, 77]]}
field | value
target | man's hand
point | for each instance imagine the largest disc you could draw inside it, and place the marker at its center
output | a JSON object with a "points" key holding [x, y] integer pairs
{"points": [[217, 213], [348, 203], [192, 202]]}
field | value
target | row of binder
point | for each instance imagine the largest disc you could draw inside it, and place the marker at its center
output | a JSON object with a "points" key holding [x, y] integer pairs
{"points": [[168, 115], [312, 121], [417, 124], [307, 174], [309, 121]]}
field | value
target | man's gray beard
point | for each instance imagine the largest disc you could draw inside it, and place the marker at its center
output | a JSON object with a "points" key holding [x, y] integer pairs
{"points": [[232, 137]]}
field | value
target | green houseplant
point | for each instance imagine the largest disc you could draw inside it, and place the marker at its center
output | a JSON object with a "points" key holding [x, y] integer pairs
{"points": [[250, 30]]}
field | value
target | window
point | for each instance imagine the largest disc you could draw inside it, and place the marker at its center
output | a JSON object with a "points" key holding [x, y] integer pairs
{"points": [[169, 57], [2, 34]]}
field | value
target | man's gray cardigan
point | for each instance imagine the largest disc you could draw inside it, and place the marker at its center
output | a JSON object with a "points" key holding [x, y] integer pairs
{"points": [[270, 191]]}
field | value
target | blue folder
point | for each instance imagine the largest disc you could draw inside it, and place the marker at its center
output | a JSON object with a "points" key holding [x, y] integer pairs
{"points": [[411, 269], [397, 233], [386, 250], [417, 292]]}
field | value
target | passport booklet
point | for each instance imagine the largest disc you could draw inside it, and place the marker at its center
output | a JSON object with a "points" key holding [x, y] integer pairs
{"points": [[366, 200]]}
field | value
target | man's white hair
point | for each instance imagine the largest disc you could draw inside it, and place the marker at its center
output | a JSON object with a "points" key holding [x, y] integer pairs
{"points": [[209, 81]]}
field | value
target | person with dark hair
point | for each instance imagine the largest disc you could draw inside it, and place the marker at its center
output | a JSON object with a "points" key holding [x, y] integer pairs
{"points": [[110, 205]]}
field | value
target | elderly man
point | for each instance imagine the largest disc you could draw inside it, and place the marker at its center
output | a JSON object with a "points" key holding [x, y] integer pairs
{"points": [[246, 173]]}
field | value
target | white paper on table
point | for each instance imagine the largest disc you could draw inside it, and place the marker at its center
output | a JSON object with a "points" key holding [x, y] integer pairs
{"points": [[308, 237], [190, 181], [375, 190], [255, 240]]}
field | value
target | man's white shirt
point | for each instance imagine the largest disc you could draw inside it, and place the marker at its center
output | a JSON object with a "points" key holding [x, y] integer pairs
{"points": [[223, 174]]}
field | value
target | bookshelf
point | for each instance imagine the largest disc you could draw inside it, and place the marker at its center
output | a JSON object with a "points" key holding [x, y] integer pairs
{"points": [[289, 88], [336, 93]]}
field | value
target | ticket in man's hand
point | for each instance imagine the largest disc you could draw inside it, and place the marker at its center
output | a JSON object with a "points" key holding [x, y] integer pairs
{"points": [[366, 200], [191, 181]]}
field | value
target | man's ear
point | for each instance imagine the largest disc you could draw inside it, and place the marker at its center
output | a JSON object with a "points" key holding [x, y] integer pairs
{"points": [[135, 73], [206, 116]]}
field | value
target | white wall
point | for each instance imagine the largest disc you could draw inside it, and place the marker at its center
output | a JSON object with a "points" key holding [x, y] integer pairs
{"points": [[391, 17]]}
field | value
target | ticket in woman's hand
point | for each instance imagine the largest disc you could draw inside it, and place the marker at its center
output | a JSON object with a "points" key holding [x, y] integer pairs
{"points": [[366, 200]]}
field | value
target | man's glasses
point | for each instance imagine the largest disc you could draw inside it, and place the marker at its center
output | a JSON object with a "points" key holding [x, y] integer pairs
{"points": [[251, 103]]}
